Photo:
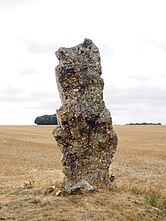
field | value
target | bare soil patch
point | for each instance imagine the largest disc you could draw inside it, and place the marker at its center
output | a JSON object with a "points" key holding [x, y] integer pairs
{"points": [[29, 156]]}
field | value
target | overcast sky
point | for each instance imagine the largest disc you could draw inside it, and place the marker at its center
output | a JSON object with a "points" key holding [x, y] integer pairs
{"points": [[130, 34]]}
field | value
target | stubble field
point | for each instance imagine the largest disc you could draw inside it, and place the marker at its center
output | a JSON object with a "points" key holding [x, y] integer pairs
{"points": [[30, 163]]}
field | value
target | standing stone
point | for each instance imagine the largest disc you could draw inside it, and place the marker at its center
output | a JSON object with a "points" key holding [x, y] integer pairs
{"points": [[85, 133]]}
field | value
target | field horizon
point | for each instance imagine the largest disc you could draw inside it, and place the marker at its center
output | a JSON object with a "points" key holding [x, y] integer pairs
{"points": [[30, 162]]}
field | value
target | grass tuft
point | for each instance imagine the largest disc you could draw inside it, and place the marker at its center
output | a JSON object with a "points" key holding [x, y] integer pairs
{"points": [[156, 201]]}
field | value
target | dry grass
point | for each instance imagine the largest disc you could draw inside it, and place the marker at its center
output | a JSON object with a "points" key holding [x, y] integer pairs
{"points": [[30, 162]]}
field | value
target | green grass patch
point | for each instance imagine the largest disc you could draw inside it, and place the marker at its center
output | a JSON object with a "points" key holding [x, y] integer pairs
{"points": [[156, 201]]}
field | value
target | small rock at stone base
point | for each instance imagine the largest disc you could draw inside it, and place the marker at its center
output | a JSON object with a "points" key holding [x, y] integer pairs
{"points": [[83, 185]]}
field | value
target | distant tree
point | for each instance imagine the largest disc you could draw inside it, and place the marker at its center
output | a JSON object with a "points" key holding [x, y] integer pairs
{"points": [[144, 123], [46, 120]]}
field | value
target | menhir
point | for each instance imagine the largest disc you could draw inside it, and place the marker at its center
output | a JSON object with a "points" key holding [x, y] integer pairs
{"points": [[85, 133]]}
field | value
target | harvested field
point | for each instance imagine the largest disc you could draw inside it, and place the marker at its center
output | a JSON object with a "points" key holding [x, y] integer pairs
{"points": [[30, 162]]}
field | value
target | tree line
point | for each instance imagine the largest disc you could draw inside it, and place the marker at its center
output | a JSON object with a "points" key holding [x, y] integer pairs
{"points": [[46, 120], [144, 123]]}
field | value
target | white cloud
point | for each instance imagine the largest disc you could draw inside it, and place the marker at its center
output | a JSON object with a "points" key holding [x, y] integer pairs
{"points": [[9, 4], [27, 72], [162, 45], [136, 103], [38, 48]]}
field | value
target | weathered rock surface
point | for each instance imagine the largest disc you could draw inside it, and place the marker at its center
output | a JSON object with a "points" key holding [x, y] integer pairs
{"points": [[85, 133], [82, 185]]}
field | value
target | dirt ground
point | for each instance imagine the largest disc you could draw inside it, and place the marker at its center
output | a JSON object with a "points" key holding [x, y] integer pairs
{"points": [[30, 163]]}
